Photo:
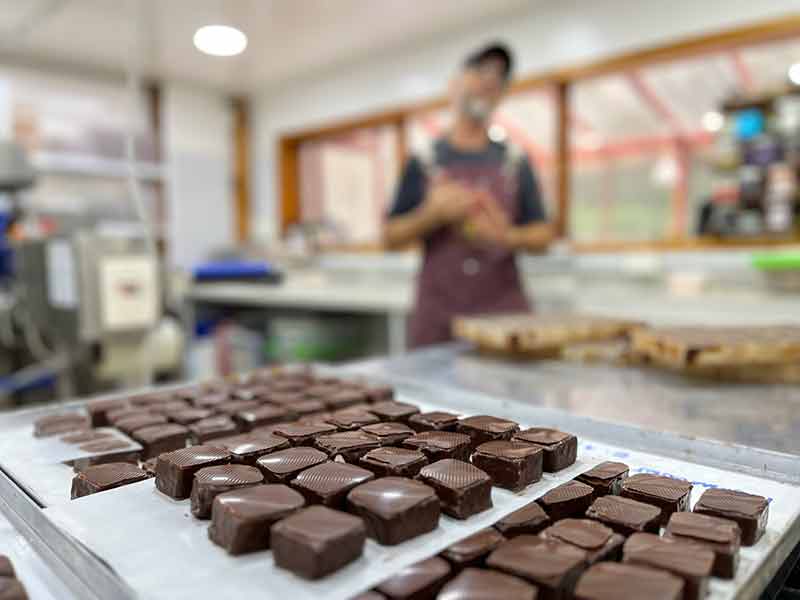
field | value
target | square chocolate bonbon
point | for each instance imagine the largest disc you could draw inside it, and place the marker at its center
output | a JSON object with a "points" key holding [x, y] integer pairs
{"points": [[158, 439], [528, 520], [343, 398], [284, 465], [303, 434], [438, 445], [483, 428], [175, 470], [241, 519], [613, 581], [212, 428], [398, 462], [58, 424], [395, 509], [570, 499], [351, 419], [669, 494], [210, 482], [187, 416], [330, 482], [433, 421], [98, 410], [463, 489], [421, 581], [110, 450], [350, 445], [606, 478], [262, 415], [690, 562], [598, 541], [625, 516], [485, 584], [511, 465], [136, 422], [393, 411], [389, 434], [100, 478], [473, 550], [560, 448], [749, 511], [247, 448], [721, 536], [317, 541]]}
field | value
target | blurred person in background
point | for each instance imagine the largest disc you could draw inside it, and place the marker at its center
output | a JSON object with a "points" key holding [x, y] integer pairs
{"points": [[473, 203]]}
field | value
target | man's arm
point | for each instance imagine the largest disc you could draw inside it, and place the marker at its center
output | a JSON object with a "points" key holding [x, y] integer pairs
{"points": [[404, 229], [534, 238]]}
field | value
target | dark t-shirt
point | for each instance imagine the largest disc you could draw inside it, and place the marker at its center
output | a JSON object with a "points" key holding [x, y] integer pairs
{"points": [[412, 188]]}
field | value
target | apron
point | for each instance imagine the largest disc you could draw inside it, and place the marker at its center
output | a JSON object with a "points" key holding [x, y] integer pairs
{"points": [[463, 277]]}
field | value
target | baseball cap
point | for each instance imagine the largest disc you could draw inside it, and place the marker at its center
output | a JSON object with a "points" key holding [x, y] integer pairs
{"points": [[495, 50]]}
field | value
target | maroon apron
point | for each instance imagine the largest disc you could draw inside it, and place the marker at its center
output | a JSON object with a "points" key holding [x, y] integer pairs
{"points": [[464, 277]]}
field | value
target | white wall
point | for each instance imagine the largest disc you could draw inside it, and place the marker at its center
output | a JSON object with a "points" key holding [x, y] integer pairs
{"points": [[197, 148], [553, 34]]}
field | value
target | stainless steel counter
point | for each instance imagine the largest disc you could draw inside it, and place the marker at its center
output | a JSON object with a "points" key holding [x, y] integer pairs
{"points": [[757, 416]]}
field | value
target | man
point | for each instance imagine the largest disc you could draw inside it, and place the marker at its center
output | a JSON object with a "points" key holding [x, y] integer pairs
{"points": [[473, 203]]}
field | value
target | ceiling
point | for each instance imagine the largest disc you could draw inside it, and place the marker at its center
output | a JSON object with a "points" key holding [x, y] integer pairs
{"points": [[286, 37]]}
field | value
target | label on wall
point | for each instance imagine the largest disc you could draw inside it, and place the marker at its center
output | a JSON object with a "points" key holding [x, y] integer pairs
{"points": [[128, 293]]}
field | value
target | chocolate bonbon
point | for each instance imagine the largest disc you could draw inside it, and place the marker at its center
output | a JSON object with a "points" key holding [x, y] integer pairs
{"points": [[252, 418], [133, 423], [389, 434], [350, 419], [613, 581], [212, 428], [247, 448], [750, 512], [721, 536], [560, 448], [570, 499], [598, 541], [485, 584], [511, 465], [210, 482], [393, 411], [175, 470], [330, 482], [350, 445], [419, 581], [528, 520], [606, 478], [100, 478], [58, 424], [302, 434], [669, 494], [463, 489], [284, 465], [473, 550], [98, 410], [400, 462], [433, 421], [625, 516], [438, 445], [483, 428], [158, 439]]}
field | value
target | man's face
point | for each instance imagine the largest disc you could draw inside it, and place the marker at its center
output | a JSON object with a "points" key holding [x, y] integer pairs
{"points": [[478, 89]]}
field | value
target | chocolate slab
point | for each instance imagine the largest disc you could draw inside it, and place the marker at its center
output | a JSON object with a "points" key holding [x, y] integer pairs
{"points": [[98, 410], [175, 470], [285, 465], [613, 581], [161, 438], [463, 489], [247, 448], [553, 566], [528, 520], [262, 415], [598, 541], [625, 516], [350, 445], [669, 494], [330, 482], [433, 421], [570, 499], [511, 465], [130, 424], [721, 536], [210, 482], [317, 541], [484, 584], [473, 550], [420, 581], [351, 419], [12, 589], [302, 434], [92, 435], [560, 448], [241, 519], [388, 461], [58, 424], [389, 434], [212, 428], [6, 567], [690, 562], [606, 478], [395, 509], [187, 416], [105, 477], [438, 445], [483, 428], [393, 411], [749, 511]]}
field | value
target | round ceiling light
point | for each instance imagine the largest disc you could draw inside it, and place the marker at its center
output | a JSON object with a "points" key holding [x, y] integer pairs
{"points": [[220, 40], [794, 73]]}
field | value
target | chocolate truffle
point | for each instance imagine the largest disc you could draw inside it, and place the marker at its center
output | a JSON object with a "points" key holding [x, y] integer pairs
{"points": [[606, 478], [249, 447], [612, 581], [569, 499], [330, 482], [625, 516], [302, 434], [420, 581], [393, 411], [749, 511], [395, 509], [388, 434], [511, 465], [58, 424], [721, 536], [210, 482], [528, 520], [463, 489], [399, 462], [483, 428], [212, 428], [136, 422], [553, 566], [105, 477], [438, 445], [690, 562], [158, 439], [598, 541], [241, 519], [433, 421], [262, 415], [484, 584], [175, 470], [560, 448], [317, 541], [667, 493], [350, 445], [473, 550], [284, 465]]}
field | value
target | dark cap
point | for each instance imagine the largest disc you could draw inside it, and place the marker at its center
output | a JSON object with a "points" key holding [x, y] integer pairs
{"points": [[496, 50]]}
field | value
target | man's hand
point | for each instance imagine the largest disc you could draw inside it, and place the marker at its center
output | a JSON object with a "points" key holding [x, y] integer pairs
{"points": [[448, 202], [489, 223]]}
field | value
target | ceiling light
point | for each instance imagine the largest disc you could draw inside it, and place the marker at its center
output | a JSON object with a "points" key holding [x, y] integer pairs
{"points": [[794, 73], [713, 121], [497, 133], [220, 40]]}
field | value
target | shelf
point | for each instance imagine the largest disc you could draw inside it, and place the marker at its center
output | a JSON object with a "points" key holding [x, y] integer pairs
{"points": [[93, 166]]}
